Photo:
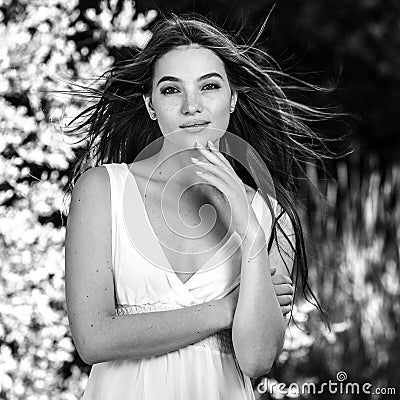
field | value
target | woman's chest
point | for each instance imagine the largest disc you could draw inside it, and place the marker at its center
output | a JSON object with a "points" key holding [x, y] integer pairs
{"points": [[189, 231]]}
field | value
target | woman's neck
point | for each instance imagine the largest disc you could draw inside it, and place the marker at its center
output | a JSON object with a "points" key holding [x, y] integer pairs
{"points": [[172, 161]]}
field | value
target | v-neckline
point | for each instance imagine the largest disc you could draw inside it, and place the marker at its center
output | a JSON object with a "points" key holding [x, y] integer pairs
{"points": [[158, 244]]}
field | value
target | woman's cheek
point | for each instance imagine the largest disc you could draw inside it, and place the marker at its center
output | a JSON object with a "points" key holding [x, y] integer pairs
{"points": [[168, 104], [220, 110], [219, 104]]}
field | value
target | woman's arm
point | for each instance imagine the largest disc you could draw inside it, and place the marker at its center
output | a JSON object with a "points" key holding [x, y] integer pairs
{"points": [[258, 329], [100, 335]]}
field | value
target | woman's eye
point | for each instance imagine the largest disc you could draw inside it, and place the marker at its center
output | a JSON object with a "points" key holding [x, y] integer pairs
{"points": [[172, 90], [167, 90], [211, 85]]}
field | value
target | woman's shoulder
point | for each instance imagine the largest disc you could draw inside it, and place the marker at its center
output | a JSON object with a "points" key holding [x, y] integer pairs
{"points": [[90, 198], [98, 173], [93, 182]]}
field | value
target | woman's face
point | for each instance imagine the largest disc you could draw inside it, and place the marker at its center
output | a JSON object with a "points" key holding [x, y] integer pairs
{"points": [[190, 86]]}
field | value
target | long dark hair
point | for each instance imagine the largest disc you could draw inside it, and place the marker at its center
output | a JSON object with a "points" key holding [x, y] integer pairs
{"points": [[117, 128]]}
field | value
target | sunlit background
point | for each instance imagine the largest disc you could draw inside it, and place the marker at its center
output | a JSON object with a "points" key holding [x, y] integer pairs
{"points": [[351, 218]]}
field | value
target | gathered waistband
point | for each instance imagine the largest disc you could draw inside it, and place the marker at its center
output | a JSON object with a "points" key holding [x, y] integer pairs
{"points": [[220, 341]]}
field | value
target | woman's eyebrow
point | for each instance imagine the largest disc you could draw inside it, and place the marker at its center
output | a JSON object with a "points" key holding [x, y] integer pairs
{"points": [[174, 79]]}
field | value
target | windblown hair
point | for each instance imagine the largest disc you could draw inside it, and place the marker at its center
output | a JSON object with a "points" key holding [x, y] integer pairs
{"points": [[117, 128]]}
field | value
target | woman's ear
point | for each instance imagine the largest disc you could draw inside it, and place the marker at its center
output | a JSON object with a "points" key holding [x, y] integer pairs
{"points": [[234, 97], [233, 100], [149, 106]]}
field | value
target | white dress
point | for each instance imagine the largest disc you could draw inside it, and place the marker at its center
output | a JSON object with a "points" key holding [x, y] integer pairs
{"points": [[207, 369]]}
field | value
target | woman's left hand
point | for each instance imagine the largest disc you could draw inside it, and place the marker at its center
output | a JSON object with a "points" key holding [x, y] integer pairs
{"points": [[219, 173], [284, 290]]}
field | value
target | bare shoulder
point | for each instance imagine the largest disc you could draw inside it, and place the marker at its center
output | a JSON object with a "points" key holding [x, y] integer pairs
{"points": [[95, 178], [91, 194]]}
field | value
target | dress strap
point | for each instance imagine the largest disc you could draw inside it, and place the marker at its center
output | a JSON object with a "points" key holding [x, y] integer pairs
{"points": [[116, 179]]}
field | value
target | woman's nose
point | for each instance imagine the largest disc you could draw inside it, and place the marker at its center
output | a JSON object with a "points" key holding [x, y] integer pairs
{"points": [[191, 104]]}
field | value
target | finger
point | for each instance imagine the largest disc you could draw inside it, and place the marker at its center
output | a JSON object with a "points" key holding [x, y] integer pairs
{"points": [[211, 170], [215, 169], [213, 180], [285, 300], [215, 158], [284, 289], [221, 173], [208, 154], [282, 279], [218, 153], [288, 279], [286, 309], [279, 279]]}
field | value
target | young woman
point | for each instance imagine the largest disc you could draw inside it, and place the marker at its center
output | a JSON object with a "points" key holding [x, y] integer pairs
{"points": [[187, 316]]}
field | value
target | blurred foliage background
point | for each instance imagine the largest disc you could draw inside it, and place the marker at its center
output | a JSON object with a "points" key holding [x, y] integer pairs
{"points": [[353, 216]]}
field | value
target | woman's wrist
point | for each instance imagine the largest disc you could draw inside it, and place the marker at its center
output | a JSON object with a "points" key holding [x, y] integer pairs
{"points": [[253, 242], [253, 233]]}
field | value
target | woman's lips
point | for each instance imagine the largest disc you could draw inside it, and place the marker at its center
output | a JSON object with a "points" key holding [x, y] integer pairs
{"points": [[195, 128]]}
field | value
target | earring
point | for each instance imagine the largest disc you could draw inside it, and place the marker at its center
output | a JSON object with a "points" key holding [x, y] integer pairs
{"points": [[153, 115], [232, 109]]}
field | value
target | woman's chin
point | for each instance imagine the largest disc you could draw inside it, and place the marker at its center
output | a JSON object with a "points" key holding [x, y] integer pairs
{"points": [[186, 138]]}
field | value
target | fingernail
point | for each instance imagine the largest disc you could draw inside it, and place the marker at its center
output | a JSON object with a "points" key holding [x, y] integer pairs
{"points": [[194, 159]]}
